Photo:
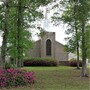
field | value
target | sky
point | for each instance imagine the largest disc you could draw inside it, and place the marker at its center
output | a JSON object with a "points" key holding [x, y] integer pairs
{"points": [[59, 31]]}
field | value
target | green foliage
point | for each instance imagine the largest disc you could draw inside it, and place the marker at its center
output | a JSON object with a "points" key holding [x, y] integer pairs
{"points": [[73, 14], [47, 59], [42, 32], [76, 15], [69, 17], [22, 15], [7, 65], [73, 62], [87, 36], [40, 62]]}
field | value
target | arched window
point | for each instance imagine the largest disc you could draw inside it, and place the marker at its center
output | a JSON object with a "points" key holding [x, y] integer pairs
{"points": [[48, 47]]}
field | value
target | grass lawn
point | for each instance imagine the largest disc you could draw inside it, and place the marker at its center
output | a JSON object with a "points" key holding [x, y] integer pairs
{"points": [[56, 78]]}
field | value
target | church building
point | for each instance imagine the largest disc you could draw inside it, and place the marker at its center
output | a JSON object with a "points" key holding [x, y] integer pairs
{"points": [[48, 47]]}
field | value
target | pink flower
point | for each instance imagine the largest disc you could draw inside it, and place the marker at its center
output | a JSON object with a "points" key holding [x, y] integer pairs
{"points": [[12, 77]]}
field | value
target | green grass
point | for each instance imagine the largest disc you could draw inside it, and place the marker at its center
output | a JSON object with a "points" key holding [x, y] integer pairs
{"points": [[47, 68], [56, 78]]}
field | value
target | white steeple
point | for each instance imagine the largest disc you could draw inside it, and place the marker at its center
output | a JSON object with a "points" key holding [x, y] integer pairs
{"points": [[46, 18]]}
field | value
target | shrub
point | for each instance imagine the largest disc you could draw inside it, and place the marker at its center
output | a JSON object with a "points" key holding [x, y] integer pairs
{"points": [[7, 65], [40, 62], [73, 62], [15, 77]]}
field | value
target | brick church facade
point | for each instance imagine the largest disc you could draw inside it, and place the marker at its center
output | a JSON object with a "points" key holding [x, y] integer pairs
{"points": [[48, 47]]}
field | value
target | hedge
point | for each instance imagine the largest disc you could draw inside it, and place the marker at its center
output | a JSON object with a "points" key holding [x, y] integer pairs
{"points": [[40, 62], [73, 63]]}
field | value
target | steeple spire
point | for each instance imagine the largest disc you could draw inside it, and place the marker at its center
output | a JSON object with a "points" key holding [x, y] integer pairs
{"points": [[46, 18]]}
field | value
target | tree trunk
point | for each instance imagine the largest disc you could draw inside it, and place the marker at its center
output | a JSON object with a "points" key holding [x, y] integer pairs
{"points": [[19, 34], [76, 30], [78, 66], [84, 66], [15, 52], [77, 46], [5, 36]]}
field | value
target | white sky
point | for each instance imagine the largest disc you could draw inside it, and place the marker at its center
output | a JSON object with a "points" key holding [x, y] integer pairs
{"points": [[59, 31]]}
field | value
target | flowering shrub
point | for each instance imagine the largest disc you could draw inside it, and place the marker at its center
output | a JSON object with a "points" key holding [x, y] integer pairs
{"points": [[13, 77]]}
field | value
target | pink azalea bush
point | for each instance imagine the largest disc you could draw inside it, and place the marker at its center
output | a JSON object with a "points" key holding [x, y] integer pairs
{"points": [[13, 77]]}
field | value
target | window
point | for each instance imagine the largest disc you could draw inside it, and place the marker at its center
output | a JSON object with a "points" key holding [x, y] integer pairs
{"points": [[48, 47]]}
